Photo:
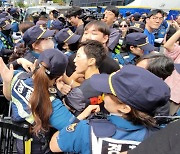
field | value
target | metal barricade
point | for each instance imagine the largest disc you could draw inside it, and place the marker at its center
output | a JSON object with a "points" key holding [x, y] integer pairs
{"points": [[7, 126]]}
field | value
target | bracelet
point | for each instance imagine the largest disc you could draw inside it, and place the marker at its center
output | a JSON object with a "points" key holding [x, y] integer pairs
{"points": [[71, 82]]}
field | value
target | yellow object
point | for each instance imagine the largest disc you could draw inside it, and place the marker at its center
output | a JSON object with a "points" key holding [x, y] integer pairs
{"points": [[28, 146]]}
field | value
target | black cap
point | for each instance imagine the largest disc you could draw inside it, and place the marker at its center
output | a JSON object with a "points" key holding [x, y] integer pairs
{"points": [[138, 26], [36, 32], [4, 23], [55, 60], [140, 40], [66, 36], [135, 87]]}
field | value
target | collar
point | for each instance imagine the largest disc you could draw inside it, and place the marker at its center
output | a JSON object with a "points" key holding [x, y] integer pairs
{"points": [[123, 123], [35, 54]]}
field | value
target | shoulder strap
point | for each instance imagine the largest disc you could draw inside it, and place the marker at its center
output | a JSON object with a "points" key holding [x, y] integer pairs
{"points": [[102, 127]]}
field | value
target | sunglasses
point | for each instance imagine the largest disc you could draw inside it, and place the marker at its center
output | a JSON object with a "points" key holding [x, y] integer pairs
{"points": [[123, 25]]}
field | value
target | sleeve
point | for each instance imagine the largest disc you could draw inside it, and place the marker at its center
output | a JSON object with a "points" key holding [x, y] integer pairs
{"points": [[75, 138], [1, 47], [113, 38], [174, 53], [60, 116], [75, 99]]}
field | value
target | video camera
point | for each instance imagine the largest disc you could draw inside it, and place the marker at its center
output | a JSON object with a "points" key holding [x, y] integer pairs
{"points": [[89, 14]]}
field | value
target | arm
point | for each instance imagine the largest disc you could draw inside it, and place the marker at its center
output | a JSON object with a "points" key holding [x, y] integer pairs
{"points": [[169, 45], [6, 75]]}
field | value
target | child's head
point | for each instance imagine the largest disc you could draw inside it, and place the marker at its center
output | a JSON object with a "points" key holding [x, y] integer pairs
{"points": [[132, 92]]}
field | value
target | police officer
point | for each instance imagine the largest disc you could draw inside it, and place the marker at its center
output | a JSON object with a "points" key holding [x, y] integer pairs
{"points": [[131, 96], [6, 43], [34, 98]]}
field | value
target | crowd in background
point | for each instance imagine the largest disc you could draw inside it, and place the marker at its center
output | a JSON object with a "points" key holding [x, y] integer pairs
{"points": [[94, 80]]}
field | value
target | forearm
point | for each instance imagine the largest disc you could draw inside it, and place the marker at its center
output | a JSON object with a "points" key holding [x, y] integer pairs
{"points": [[169, 45], [7, 90]]}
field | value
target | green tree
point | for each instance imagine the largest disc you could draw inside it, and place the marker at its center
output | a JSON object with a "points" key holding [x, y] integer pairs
{"points": [[61, 2]]}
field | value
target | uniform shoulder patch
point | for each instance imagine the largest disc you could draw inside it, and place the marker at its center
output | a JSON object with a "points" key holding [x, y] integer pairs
{"points": [[71, 127]]}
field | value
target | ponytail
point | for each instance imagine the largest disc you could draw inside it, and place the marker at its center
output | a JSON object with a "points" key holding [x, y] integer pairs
{"points": [[40, 101]]}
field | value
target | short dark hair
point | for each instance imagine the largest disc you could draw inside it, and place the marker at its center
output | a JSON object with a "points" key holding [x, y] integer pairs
{"points": [[73, 11], [94, 49], [154, 12], [100, 25], [159, 64], [113, 9]]}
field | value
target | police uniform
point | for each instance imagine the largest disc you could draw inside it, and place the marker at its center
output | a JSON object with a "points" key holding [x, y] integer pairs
{"points": [[71, 138], [115, 134], [151, 39], [22, 88], [5, 42]]}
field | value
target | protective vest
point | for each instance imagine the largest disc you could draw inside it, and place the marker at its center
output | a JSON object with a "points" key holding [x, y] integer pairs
{"points": [[107, 138]]}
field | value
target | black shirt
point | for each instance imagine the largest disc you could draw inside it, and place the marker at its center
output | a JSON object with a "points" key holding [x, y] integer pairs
{"points": [[165, 141], [108, 65]]}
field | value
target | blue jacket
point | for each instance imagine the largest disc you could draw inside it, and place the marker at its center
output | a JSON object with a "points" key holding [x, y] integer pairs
{"points": [[21, 88], [76, 137]]}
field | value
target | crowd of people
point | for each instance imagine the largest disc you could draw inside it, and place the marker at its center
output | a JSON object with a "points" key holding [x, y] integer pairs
{"points": [[93, 86]]}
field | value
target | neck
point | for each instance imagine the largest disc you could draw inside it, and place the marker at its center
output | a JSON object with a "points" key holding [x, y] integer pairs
{"points": [[149, 29], [80, 23], [91, 71], [123, 34]]}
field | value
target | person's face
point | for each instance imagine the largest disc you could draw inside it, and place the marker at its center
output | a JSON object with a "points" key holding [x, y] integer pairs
{"points": [[44, 44], [73, 20], [123, 26], [109, 18], [154, 21], [81, 61], [93, 34], [113, 105], [51, 16], [137, 51]]}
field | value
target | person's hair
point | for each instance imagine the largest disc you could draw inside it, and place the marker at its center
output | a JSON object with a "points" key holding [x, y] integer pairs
{"points": [[159, 64], [135, 116], [170, 33], [41, 105], [55, 13], [126, 47], [121, 20], [113, 9], [72, 47], [99, 25], [94, 49], [154, 12], [20, 51], [140, 118], [73, 11], [25, 26]]}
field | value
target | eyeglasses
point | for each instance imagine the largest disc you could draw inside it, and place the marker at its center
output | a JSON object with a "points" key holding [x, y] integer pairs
{"points": [[123, 26]]}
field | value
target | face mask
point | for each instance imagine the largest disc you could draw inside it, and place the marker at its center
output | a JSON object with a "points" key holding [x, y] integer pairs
{"points": [[6, 32]]}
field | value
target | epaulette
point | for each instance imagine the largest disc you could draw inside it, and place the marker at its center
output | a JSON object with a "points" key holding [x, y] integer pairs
{"points": [[102, 127]]}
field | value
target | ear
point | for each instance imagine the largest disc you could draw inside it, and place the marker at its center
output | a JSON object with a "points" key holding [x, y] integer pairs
{"points": [[131, 48], [91, 61], [124, 108], [105, 39], [115, 19], [147, 19]]}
